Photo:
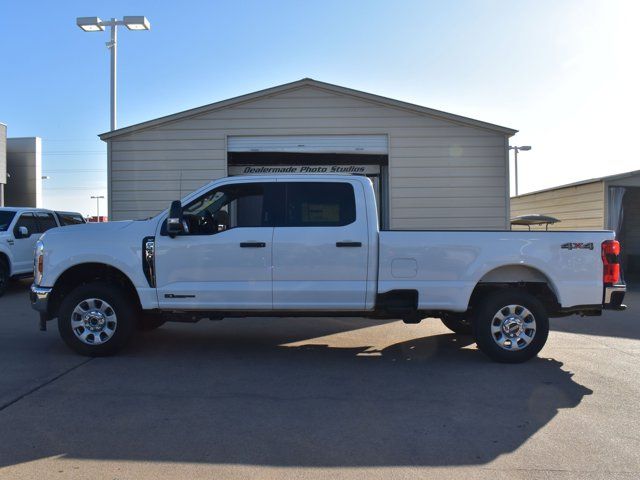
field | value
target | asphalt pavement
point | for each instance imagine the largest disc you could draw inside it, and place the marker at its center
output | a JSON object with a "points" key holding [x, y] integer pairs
{"points": [[315, 398]]}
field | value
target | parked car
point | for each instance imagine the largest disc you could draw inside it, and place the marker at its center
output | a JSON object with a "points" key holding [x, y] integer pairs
{"points": [[20, 229], [310, 246]]}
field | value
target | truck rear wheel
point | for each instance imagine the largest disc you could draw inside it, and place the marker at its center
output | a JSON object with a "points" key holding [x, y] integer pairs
{"points": [[97, 319], [457, 325], [511, 326]]}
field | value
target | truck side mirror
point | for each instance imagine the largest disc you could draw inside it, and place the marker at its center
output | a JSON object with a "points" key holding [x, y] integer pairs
{"points": [[21, 232], [174, 220]]}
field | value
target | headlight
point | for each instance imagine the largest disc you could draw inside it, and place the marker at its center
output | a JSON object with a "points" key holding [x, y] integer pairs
{"points": [[38, 263]]}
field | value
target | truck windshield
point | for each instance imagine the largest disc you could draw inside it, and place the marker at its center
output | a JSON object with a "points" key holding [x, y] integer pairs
{"points": [[5, 219]]}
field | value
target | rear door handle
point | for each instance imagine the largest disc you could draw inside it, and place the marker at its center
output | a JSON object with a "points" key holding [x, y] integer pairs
{"points": [[348, 244], [252, 245]]}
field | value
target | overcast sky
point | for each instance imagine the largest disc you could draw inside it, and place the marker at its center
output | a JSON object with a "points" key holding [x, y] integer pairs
{"points": [[564, 73]]}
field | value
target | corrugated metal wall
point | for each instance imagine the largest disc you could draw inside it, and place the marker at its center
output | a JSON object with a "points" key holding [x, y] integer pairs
{"points": [[580, 207], [442, 175]]}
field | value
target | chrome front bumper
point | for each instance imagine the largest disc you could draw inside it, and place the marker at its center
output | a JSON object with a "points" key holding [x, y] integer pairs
{"points": [[39, 297], [614, 296]]}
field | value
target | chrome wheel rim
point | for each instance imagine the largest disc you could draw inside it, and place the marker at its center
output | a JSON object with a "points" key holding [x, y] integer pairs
{"points": [[94, 321], [513, 327]]}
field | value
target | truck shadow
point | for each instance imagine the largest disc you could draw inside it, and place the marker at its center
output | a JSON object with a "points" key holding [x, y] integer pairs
{"points": [[217, 396], [610, 324]]}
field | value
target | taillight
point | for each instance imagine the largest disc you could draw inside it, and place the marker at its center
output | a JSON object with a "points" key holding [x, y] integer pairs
{"points": [[611, 261]]}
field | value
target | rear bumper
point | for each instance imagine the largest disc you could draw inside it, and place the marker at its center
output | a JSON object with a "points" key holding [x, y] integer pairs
{"points": [[613, 297], [39, 297]]}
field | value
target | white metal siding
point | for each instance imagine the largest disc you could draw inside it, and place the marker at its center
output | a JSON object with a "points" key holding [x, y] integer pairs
{"points": [[579, 207], [442, 175]]}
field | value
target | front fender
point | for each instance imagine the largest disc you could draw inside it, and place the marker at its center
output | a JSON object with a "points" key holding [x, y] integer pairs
{"points": [[5, 252], [117, 246], [532, 264]]}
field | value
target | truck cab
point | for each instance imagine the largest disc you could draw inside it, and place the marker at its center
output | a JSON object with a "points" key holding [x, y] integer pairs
{"points": [[256, 243]]}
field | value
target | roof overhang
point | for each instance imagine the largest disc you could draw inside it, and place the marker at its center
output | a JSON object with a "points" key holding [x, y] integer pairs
{"points": [[608, 178]]}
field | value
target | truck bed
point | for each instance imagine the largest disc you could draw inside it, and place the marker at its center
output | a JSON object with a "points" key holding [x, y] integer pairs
{"points": [[445, 266]]}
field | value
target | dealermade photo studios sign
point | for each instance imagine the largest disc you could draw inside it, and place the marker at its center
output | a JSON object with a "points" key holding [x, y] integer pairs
{"points": [[303, 169]]}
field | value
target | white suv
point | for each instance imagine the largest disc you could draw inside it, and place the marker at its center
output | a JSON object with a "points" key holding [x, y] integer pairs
{"points": [[20, 229]]}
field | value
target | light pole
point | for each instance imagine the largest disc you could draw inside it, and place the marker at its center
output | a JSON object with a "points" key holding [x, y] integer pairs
{"points": [[97, 197], [94, 24], [516, 150]]}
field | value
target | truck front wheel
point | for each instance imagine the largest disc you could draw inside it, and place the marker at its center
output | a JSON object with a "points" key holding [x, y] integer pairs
{"points": [[511, 326], [97, 319]]}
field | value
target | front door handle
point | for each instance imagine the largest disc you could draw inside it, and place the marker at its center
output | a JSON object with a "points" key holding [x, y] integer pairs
{"points": [[252, 245], [348, 244]]}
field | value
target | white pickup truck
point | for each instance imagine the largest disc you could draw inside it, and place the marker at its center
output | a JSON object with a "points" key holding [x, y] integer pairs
{"points": [[311, 246], [20, 228]]}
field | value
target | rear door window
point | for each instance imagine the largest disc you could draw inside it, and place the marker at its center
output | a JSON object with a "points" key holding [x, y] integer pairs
{"points": [[70, 219], [319, 204], [46, 221]]}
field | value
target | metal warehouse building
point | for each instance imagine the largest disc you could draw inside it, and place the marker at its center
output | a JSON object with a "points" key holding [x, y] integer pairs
{"points": [[611, 203], [431, 169]]}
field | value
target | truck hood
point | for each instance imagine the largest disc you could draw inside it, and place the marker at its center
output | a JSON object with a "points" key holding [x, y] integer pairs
{"points": [[90, 228], [101, 232]]}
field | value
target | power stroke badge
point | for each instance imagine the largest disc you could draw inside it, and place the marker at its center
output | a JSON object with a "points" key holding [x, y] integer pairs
{"points": [[579, 246]]}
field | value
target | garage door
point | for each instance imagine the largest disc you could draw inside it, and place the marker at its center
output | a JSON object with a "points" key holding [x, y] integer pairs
{"points": [[364, 144]]}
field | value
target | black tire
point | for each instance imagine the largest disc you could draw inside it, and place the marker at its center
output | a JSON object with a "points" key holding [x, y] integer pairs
{"points": [[4, 276], [120, 303], [496, 305], [148, 322], [457, 325]]}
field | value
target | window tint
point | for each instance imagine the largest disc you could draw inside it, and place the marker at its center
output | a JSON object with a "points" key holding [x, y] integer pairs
{"points": [[6, 216], [45, 221], [319, 204], [27, 220], [70, 218], [230, 206]]}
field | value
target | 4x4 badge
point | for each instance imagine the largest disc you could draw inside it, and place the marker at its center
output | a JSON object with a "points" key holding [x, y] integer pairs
{"points": [[572, 246]]}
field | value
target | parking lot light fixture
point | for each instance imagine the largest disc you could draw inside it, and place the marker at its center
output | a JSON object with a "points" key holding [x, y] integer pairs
{"points": [[94, 24], [90, 24], [136, 23]]}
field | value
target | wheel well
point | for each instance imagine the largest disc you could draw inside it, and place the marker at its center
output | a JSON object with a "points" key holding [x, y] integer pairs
{"points": [[5, 259], [86, 273], [541, 290]]}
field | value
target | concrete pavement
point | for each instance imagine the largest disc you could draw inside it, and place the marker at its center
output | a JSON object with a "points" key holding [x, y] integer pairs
{"points": [[318, 398]]}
